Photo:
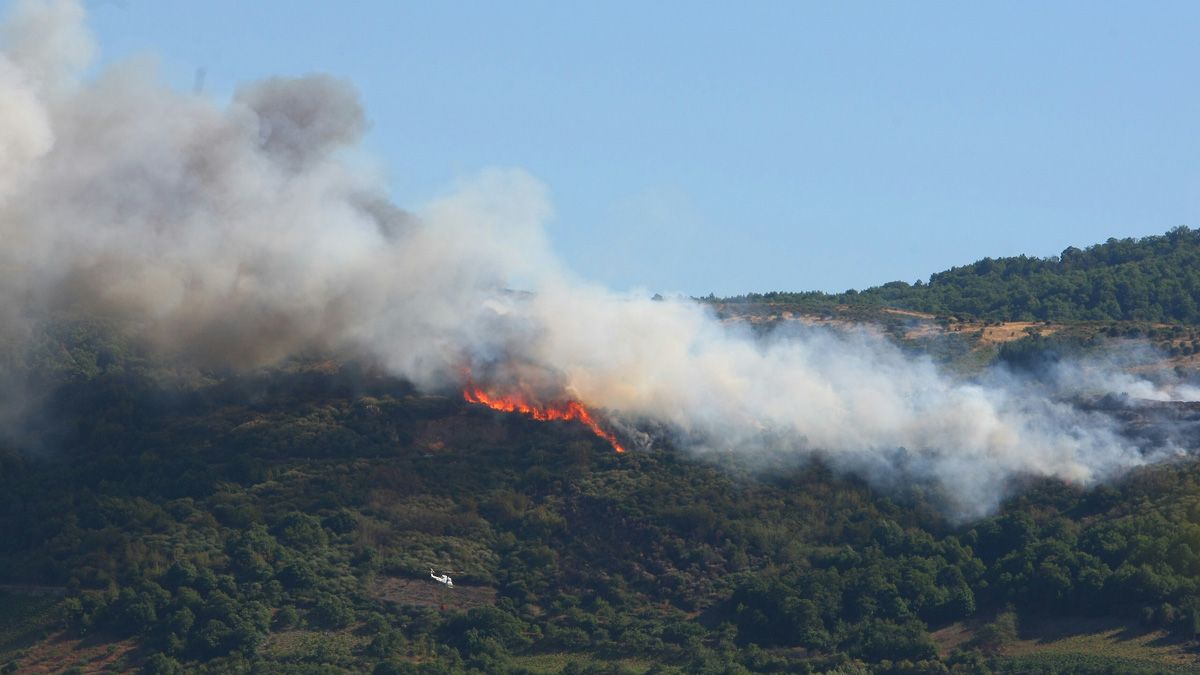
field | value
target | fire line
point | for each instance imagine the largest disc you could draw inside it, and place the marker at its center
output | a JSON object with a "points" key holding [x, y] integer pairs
{"points": [[568, 411]]}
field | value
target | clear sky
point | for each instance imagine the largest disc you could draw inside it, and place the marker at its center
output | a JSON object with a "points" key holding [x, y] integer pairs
{"points": [[748, 146]]}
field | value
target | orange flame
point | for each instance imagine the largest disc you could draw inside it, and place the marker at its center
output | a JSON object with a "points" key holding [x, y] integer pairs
{"points": [[569, 411]]}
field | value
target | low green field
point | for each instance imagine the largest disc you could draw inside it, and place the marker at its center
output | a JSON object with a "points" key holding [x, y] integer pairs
{"points": [[24, 620], [1100, 646], [1088, 663], [555, 663], [299, 646]]}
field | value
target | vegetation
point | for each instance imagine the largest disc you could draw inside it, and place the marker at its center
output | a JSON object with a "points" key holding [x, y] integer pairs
{"points": [[229, 523], [167, 519], [1153, 279]]}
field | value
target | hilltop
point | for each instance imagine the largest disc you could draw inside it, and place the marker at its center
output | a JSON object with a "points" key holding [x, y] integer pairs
{"points": [[1153, 279]]}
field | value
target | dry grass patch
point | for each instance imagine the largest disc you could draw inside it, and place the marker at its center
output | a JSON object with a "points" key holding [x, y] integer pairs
{"points": [[1104, 638], [313, 645], [60, 653], [909, 312], [1099, 643], [555, 663], [952, 637], [429, 593], [1014, 330]]}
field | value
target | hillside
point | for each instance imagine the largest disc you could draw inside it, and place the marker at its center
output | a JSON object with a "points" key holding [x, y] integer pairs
{"points": [[968, 344], [258, 416], [285, 521], [1152, 279]]}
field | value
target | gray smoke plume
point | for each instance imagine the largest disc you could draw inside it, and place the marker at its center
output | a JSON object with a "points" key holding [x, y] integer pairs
{"points": [[238, 233]]}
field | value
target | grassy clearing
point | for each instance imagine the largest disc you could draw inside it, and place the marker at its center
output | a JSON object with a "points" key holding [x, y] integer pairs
{"points": [[31, 639], [1084, 663], [554, 663], [428, 593], [24, 620], [1099, 644], [61, 653], [952, 637], [313, 646]]}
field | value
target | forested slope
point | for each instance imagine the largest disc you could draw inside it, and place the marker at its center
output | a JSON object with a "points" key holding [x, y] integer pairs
{"points": [[286, 521], [1149, 279]]}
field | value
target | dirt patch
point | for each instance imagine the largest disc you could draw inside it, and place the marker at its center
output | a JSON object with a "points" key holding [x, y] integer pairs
{"points": [[92, 655], [1014, 330], [1188, 361], [907, 312], [923, 331], [829, 322], [951, 637], [429, 593]]}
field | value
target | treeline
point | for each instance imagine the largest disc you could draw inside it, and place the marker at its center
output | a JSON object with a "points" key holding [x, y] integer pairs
{"points": [[1155, 279]]}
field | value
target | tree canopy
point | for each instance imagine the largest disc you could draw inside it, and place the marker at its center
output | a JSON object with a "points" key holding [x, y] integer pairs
{"points": [[1149, 279]]}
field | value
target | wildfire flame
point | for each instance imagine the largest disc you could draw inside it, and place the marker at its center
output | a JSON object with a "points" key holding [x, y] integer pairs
{"points": [[567, 411]]}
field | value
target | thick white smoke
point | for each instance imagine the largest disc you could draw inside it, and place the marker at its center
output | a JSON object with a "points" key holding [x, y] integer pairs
{"points": [[244, 231]]}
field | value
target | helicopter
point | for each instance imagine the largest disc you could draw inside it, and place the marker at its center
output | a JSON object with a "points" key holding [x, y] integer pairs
{"points": [[442, 578]]}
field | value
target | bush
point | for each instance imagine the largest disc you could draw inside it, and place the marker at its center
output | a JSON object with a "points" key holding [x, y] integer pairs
{"points": [[332, 612], [1002, 631], [161, 664], [300, 530], [287, 617]]}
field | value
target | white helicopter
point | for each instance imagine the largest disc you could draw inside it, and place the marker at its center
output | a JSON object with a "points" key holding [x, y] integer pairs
{"points": [[442, 578]]}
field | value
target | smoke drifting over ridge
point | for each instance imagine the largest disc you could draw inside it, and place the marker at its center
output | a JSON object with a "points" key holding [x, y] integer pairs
{"points": [[242, 232]]}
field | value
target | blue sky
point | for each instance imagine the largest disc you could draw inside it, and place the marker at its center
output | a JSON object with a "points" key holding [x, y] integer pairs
{"points": [[704, 147]]}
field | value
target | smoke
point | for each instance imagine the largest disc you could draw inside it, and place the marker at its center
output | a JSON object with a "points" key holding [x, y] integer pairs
{"points": [[1126, 371], [48, 42], [238, 233]]}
